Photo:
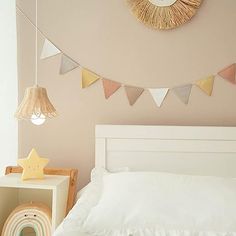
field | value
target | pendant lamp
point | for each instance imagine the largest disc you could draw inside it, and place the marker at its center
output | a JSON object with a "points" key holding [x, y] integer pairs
{"points": [[35, 105]]}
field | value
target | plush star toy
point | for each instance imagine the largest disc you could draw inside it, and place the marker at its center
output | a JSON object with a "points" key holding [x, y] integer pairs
{"points": [[33, 166]]}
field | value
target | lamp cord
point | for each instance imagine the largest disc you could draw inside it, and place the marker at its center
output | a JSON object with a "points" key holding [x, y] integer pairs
{"points": [[36, 43]]}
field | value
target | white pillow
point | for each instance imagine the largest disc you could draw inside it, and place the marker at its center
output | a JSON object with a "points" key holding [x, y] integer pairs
{"points": [[88, 198], [151, 203], [97, 174]]}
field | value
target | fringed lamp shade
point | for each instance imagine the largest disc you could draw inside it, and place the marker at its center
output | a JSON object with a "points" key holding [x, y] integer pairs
{"points": [[162, 17], [37, 103]]}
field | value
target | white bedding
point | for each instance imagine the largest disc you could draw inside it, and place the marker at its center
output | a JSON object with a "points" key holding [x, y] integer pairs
{"points": [[171, 205]]}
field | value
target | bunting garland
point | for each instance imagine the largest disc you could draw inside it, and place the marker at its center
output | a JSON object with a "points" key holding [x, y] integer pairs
{"points": [[182, 92], [88, 77]]}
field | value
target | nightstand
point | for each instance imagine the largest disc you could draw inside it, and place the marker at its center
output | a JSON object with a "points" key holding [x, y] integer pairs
{"points": [[53, 191]]}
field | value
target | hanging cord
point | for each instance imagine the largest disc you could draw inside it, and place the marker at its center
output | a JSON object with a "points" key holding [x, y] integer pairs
{"points": [[29, 21], [36, 43]]}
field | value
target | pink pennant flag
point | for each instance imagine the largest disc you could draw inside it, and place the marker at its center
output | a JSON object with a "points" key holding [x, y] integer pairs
{"points": [[133, 93], [229, 73], [110, 87]]}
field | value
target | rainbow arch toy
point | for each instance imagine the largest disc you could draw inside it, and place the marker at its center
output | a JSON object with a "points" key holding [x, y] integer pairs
{"points": [[33, 215]]}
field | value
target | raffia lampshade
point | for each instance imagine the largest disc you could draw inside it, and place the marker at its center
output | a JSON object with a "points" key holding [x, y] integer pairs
{"points": [[35, 102]]}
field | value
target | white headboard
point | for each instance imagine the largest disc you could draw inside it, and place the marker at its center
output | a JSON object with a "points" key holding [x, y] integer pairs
{"points": [[176, 149]]}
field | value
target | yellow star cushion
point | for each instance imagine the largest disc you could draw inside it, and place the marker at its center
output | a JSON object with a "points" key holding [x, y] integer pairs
{"points": [[33, 166]]}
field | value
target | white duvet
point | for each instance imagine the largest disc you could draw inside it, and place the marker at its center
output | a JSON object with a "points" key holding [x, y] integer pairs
{"points": [[154, 204]]}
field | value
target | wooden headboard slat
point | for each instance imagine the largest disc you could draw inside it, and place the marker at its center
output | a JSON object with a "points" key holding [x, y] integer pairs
{"points": [[193, 150]]}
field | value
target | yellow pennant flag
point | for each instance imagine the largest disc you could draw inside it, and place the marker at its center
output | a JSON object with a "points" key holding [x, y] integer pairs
{"points": [[206, 85], [88, 78]]}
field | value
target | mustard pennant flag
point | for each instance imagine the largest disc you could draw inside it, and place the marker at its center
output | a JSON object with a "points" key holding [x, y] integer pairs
{"points": [[110, 87], [183, 92], [229, 73], [159, 95], [49, 50], [206, 85], [88, 78], [133, 93], [67, 64]]}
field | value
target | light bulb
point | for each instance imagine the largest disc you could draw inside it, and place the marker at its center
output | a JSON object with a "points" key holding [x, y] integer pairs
{"points": [[38, 120]]}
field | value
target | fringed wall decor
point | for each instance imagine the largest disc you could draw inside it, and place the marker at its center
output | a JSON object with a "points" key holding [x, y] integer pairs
{"points": [[164, 14]]}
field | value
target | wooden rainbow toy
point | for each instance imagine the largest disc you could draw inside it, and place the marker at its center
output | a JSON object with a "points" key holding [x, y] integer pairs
{"points": [[33, 215]]}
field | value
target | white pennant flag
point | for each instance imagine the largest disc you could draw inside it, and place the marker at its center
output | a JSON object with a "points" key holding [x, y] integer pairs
{"points": [[159, 95], [49, 50]]}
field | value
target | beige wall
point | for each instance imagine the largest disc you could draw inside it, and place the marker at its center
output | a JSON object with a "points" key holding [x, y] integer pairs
{"points": [[105, 37]]}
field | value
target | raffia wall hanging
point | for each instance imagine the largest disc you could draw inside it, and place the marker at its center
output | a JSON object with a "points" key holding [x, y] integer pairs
{"points": [[164, 14]]}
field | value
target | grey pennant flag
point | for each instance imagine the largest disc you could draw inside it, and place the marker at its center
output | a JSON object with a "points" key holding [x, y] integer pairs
{"points": [[67, 64], [183, 92]]}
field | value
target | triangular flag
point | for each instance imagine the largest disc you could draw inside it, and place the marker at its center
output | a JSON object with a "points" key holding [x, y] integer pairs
{"points": [[159, 95], [183, 92], [49, 50], [206, 85], [229, 73], [110, 87], [133, 93], [88, 78], [67, 64]]}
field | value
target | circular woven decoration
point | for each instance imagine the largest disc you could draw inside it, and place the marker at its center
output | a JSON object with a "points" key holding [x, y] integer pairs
{"points": [[164, 14]]}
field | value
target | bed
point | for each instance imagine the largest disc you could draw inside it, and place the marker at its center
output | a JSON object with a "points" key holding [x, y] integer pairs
{"points": [[158, 180]]}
